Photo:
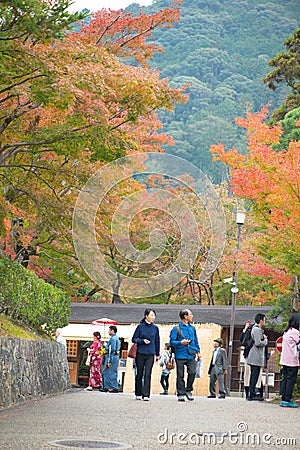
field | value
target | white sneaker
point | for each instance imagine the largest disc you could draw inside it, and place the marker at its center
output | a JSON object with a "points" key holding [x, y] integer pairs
{"points": [[146, 399], [138, 397], [89, 388]]}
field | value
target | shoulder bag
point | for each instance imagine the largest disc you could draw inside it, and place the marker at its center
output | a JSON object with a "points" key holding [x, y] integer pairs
{"points": [[132, 351]]}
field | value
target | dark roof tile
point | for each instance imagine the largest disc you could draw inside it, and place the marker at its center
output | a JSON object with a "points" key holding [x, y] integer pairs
{"points": [[165, 314]]}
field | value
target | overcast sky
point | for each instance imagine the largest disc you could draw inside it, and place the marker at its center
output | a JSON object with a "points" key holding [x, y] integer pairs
{"points": [[95, 5]]}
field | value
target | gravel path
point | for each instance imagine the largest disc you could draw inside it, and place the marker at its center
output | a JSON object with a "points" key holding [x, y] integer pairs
{"points": [[161, 423]]}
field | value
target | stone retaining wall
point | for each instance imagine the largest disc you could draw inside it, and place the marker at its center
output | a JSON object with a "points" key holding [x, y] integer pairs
{"points": [[31, 369]]}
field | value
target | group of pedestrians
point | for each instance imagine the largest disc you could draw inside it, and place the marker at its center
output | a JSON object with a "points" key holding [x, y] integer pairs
{"points": [[184, 344], [184, 347], [256, 356], [106, 379]]}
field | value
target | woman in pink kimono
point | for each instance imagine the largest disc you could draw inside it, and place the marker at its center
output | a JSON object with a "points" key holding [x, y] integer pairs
{"points": [[95, 380]]}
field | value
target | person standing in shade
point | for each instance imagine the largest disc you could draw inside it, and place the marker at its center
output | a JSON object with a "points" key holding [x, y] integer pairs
{"points": [[289, 359], [184, 341], [146, 336], [256, 357], [217, 369], [110, 372]]}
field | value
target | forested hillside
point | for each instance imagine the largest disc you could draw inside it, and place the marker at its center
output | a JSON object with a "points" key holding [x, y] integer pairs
{"points": [[222, 49]]}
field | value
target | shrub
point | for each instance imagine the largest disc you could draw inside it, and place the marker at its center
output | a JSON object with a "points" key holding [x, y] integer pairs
{"points": [[32, 301]]}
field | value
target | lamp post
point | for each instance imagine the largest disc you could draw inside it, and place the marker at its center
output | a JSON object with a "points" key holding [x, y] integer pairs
{"points": [[240, 220]]}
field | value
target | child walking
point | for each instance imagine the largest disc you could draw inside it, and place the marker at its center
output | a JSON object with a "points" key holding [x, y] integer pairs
{"points": [[165, 373]]}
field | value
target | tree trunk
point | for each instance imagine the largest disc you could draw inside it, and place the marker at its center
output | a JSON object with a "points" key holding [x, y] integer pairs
{"points": [[296, 294], [116, 288], [116, 298]]}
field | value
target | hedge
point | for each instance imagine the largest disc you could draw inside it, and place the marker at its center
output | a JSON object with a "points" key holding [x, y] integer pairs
{"points": [[32, 301]]}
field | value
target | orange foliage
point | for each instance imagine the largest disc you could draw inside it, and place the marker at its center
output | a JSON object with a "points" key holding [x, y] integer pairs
{"points": [[82, 105], [270, 179], [125, 35]]}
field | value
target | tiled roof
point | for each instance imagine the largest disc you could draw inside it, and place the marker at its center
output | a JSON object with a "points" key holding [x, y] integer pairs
{"points": [[165, 314]]}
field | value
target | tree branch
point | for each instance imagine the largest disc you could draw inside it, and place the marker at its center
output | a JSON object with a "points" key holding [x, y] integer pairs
{"points": [[106, 29]]}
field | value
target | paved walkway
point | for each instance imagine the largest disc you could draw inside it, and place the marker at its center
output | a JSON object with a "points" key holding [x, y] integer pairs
{"points": [[163, 423]]}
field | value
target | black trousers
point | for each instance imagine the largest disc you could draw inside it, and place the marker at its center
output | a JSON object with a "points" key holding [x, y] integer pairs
{"points": [[144, 364], [164, 381], [191, 370], [288, 381], [255, 370]]}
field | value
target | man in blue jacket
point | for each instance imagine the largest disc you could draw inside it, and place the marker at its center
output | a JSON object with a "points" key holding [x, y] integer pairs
{"points": [[184, 341]]}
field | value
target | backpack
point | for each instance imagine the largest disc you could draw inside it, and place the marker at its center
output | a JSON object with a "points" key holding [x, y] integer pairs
{"points": [[248, 341], [170, 364]]}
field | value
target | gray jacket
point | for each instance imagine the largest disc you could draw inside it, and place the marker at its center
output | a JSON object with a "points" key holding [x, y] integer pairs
{"points": [[221, 362], [256, 356]]}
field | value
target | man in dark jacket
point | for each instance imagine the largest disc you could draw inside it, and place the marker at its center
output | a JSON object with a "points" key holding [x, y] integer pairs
{"points": [[184, 341], [217, 369]]}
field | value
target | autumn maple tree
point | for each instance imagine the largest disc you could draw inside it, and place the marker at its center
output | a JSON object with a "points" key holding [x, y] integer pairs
{"points": [[70, 101], [269, 180]]}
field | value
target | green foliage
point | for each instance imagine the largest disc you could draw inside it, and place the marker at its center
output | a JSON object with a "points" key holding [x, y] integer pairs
{"points": [[14, 329], [286, 70], [222, 50], [31, 21], [36, 19], [27, 298], [282, 310], [2, 217], [291, 132]]}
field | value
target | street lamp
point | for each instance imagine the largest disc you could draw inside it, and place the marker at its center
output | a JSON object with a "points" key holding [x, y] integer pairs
{"points": [[240, 220]]}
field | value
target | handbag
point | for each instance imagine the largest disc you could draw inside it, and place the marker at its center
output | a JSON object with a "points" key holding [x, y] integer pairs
{"points": [[199, 368], [88, 359], [132, 351]]}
